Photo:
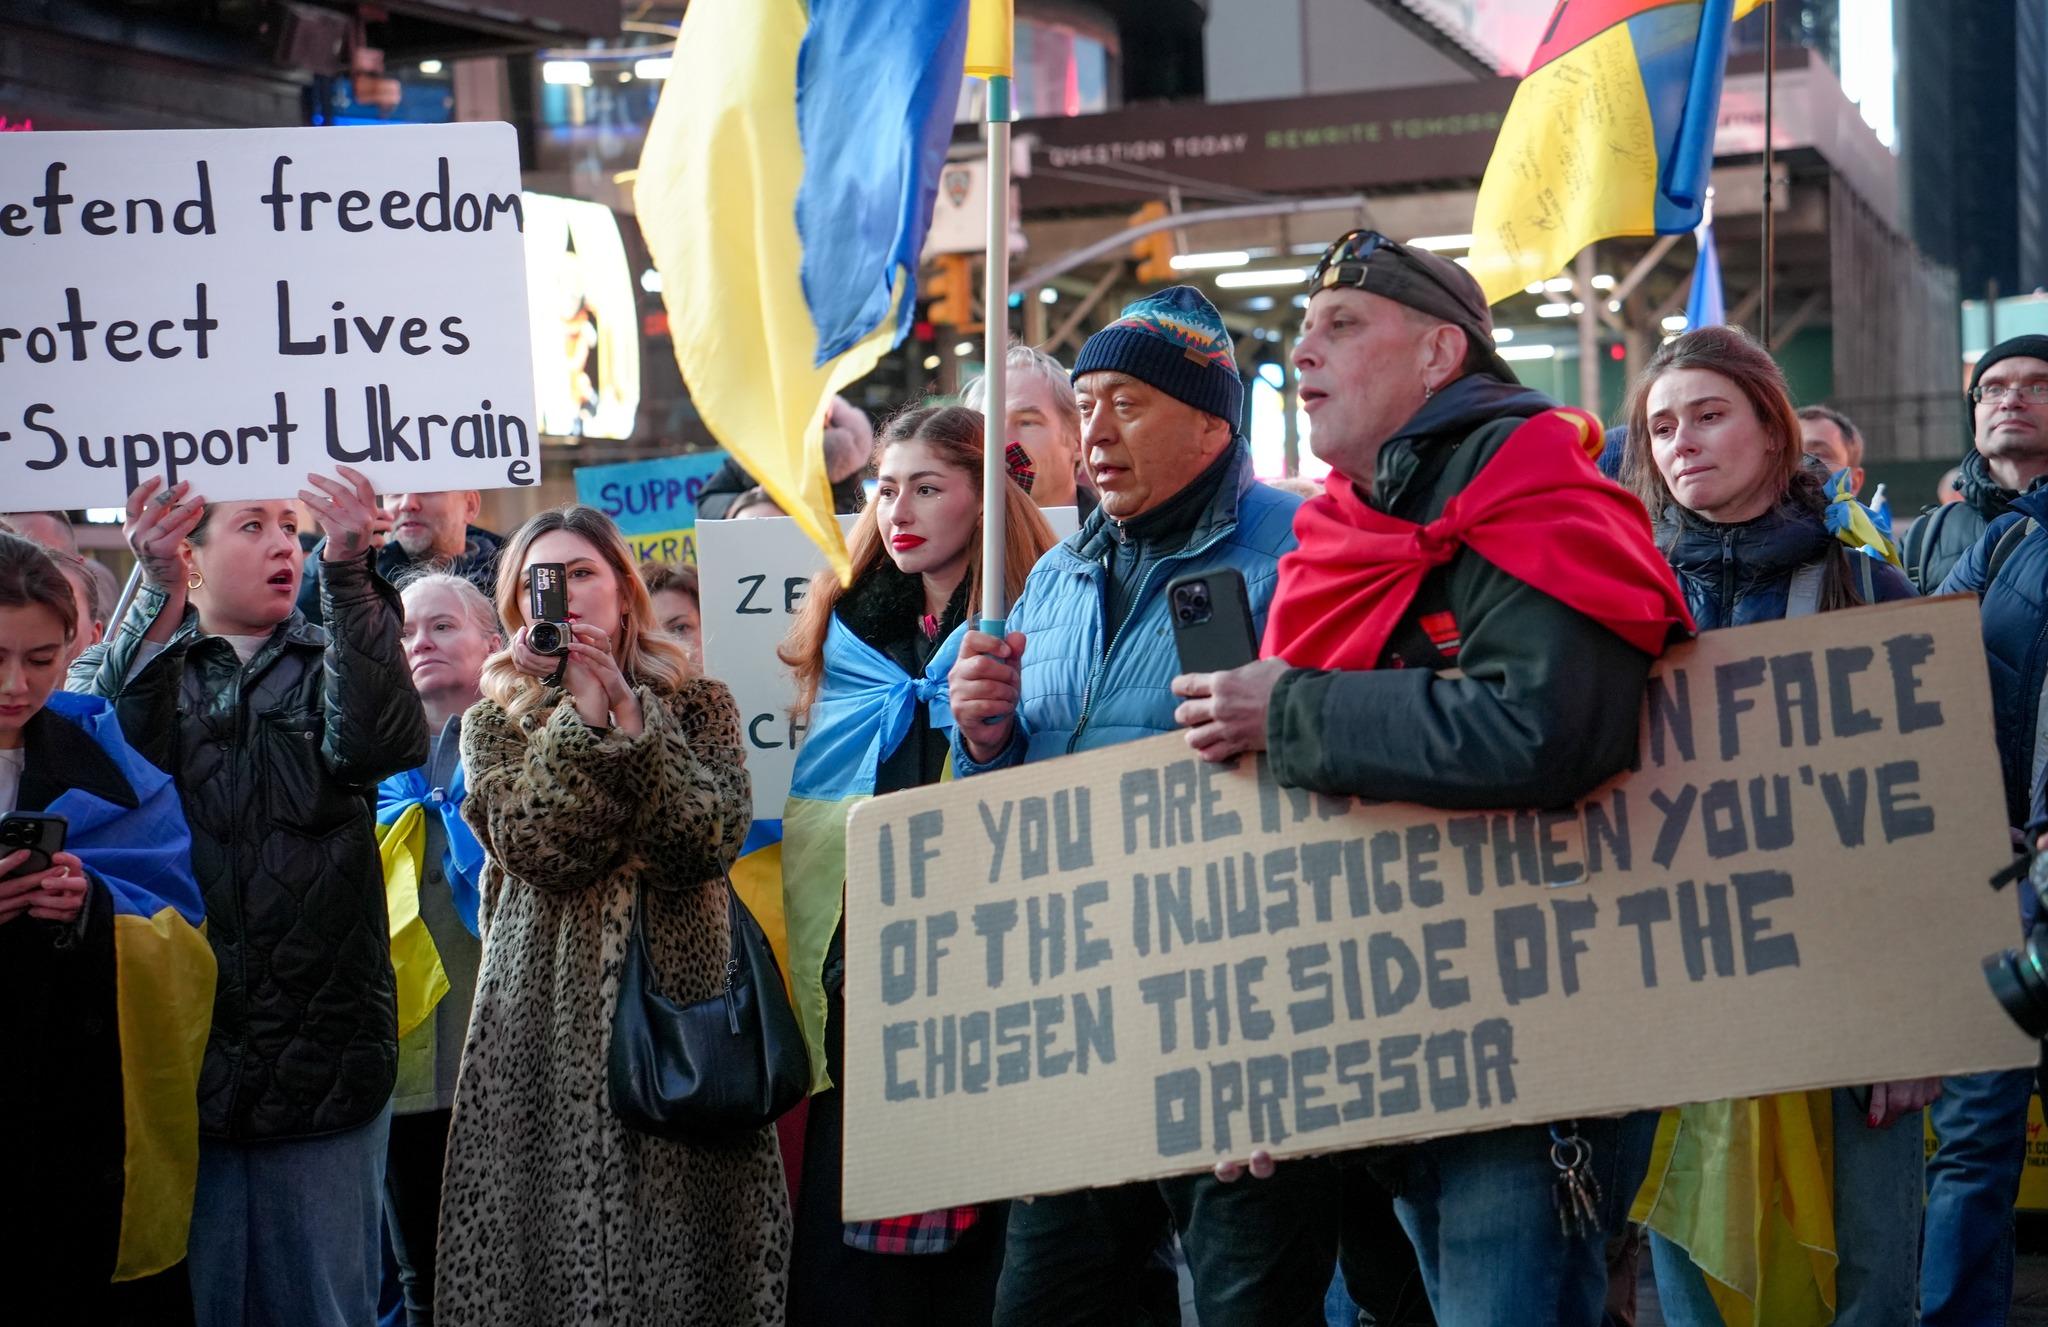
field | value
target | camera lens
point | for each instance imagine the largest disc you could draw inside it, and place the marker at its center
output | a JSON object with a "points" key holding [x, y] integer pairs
{"points": [[2019, 979], [545, 638]]}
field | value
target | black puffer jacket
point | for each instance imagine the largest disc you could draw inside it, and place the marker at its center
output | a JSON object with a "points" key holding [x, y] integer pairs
{"points": [[277, 763]]}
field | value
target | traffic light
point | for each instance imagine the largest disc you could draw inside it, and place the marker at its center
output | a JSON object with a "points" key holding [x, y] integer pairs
{"points": [[950, 288], [1155, 252]]}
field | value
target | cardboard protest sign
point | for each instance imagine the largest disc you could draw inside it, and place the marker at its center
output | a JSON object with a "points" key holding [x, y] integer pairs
{"points": [[654, 502], [239, 307], [1130, 963], [752, 578]]}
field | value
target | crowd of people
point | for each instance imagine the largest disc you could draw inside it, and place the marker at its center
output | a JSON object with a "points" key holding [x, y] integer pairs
{"points": [[309, 1016]]}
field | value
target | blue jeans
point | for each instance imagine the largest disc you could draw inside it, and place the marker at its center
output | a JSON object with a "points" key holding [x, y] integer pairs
{"points": [[1877, 1228], [1973, 1180], [286, 1234], [1481, 1210]]}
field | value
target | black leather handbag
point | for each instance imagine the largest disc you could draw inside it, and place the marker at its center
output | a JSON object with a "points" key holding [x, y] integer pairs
{"points": [[715, 1071]]}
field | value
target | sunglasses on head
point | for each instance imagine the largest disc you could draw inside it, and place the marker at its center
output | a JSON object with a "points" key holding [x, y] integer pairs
{"points": [[1344, 263]]}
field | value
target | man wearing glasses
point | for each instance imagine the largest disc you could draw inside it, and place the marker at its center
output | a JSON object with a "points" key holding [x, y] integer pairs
{"points": [[1981, 1119], [2007, 460], [1468, 623]]}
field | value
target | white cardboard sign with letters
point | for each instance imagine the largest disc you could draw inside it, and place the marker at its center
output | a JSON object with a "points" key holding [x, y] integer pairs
{"points": [[753, 578], [240, 307]]}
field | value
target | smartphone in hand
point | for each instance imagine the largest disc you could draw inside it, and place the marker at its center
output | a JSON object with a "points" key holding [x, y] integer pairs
{"points": [[1212, 620], [43, 836]]}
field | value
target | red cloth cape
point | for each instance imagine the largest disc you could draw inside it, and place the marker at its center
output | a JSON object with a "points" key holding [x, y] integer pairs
{"points": [[1538, 510]]}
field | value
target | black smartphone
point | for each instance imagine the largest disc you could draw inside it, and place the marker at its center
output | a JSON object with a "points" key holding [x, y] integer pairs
{"points": [[43, 836], [547, 608], [1212, 620]]}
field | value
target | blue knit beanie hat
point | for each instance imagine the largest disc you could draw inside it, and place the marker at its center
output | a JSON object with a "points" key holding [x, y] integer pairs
{"points": [[1174, 341]]}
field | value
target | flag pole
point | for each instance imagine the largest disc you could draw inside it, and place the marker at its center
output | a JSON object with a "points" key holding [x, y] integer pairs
{"points": [[995, 352], [1770, 136]]}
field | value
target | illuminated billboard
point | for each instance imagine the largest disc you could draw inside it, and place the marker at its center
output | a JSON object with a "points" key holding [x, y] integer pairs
{"points": [[586, 324]]}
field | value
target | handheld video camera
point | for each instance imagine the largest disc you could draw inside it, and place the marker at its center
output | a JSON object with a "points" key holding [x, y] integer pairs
{"points": [[2019, 977], [547, 608]]}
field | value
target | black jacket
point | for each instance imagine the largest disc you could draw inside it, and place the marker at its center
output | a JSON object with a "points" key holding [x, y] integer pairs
{"points": [[1737, 574], [60, 1221], [478, 565], [277, 764], [1936, 541], [1547, 707]]}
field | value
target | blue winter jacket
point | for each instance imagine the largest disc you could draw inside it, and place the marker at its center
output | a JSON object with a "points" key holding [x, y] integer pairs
{"points": [[2015, 638], [1089, 683]]}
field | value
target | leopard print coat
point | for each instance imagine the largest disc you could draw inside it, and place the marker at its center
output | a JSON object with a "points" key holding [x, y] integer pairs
{"points": [[554, 1213]]}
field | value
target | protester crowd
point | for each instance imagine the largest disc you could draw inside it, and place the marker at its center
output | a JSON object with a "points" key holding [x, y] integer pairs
{"points": [[313, 1016]]}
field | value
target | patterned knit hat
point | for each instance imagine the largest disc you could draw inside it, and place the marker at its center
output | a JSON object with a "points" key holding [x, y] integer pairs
{"points": [[1174, 341]]}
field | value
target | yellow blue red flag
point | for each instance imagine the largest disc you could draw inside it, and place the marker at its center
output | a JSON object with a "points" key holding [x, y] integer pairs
{"points": [[784, 191], [1611, 133]]}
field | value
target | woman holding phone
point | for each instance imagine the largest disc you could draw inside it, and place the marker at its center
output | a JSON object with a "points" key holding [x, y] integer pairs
{"points": [[605, 781], [871, 663], [106, 987], [277, 732]]}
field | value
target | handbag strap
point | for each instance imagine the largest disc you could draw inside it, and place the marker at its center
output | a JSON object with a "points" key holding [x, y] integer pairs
{"points": [[638, 938]]}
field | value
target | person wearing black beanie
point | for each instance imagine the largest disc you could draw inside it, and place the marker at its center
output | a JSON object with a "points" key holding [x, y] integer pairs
{"points": [[2008, 456], [1980, 1120]]}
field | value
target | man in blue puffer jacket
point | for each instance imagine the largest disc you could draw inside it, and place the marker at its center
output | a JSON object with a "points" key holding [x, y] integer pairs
{"points": [[1161, 404]]}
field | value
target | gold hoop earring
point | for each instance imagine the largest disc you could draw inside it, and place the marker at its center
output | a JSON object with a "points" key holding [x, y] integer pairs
{"points": [[195, 579]]}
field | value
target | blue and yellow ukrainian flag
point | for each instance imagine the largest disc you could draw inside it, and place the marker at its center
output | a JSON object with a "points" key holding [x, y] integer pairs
{"points": [[1611, 133], [865, 708], [164, 977], [785, 190]]}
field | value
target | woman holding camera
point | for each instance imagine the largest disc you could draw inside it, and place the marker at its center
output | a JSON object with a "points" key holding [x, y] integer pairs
{"points": [[106, 987], [1736, 1203], [433, 862], [871, 664], [277, 732], [603, 778]]}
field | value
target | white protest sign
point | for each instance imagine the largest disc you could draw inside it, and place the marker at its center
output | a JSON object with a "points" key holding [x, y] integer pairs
{"points": [[753, 576], [240, 307]]}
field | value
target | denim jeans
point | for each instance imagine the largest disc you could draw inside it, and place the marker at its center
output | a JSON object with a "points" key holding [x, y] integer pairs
{"points": [[286, 1234], [1481, 1210], [1878, 1176], [1973, 1180], [1093, 1258], [1260, 1252]]}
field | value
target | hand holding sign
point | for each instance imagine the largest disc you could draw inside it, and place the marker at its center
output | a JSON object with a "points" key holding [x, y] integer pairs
{"points": [[156, 530], [347, 509], [1225, 713]]}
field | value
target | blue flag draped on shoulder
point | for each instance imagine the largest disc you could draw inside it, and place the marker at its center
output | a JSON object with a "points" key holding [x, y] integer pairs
{"points": [[785, 190], [864, 710], [164, 976]]}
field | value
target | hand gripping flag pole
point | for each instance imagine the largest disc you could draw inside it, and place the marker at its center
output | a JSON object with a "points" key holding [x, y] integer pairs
{"points": [[988, 56]]}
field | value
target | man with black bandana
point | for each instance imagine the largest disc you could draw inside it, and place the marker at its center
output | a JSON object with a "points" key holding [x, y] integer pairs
{"points": [[1161, 408]]}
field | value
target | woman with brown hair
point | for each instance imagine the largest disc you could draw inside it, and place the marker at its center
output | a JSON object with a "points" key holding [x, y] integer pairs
{"points": [[606, 782], [871, 665], [1735, 1204]]}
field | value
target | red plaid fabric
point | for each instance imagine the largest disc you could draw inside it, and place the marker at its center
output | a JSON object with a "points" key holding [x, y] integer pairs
{"points": [[924, 1233]]}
